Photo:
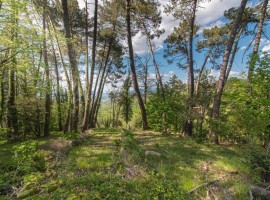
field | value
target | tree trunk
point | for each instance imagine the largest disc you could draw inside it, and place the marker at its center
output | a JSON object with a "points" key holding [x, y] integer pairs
{"points": [[95, 100], [200, 73], [82, 98], [58, 96], [88, 95], [47, 72], [12, 118], [220, 84], [73, 64], [188, 126], [2, 98], [158, 76], [235, 47], [69, 93], [190, 51], [145, 81], [257, 40], [132, 67], [99, 97]]}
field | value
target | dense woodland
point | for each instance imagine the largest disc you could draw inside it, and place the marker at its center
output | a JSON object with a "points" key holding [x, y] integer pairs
{"points": [[56, 61]]}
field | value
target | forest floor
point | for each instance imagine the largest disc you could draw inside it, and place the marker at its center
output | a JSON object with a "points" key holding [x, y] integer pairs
{"points": [[113, 164]]}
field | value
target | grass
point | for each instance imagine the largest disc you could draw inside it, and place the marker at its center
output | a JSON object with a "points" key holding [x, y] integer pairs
{"points": [[108, 166]]}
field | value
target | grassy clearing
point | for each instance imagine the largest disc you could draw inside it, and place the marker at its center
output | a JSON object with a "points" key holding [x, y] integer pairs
{"points": [[109, 165]]}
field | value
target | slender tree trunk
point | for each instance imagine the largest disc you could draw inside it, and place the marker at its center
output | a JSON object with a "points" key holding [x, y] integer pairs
{"points": [[145, 81], [2, 97], [132, 67], [95, 101], [47, 72], [200, 73], [234, 51], [158, 76], [190, 51], [257, 40], [86, 47], [82, 97], [12, 118], [88, 97], [220, 84], [69, 93], [73, 64], [99, 97], [188, 126], [58, 96]]}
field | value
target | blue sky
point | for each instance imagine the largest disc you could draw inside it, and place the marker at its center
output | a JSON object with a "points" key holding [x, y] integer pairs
{"points": [[209, 14]]}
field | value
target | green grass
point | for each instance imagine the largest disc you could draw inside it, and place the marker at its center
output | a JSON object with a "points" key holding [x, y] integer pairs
{"points": [[106, 167]]}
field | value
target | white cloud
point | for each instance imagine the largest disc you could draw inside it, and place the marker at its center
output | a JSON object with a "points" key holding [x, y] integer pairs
{"points": [[210, 11], [266, 48], [265, 45], [208, 14], [215, 74], [243, 48]]}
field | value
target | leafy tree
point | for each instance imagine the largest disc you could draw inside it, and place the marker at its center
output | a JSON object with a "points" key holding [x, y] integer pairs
{"points": [[220, 85], [126, 100]]}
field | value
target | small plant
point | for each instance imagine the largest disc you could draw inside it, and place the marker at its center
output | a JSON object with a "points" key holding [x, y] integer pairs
{"points": [[24, 154]]}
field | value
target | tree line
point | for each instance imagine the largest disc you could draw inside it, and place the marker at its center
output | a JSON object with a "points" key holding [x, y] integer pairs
{"points": [[56, 59]]}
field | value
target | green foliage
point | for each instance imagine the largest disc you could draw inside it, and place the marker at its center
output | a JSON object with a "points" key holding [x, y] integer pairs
{"points": [[259, 161], [126, 101], [247, 103], [167, 115], [23, 155]]}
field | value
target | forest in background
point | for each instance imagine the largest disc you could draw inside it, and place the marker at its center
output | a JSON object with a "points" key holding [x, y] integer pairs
{"points": [[56, 59]]}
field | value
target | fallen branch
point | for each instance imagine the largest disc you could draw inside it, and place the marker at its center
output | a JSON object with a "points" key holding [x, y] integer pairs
{"points": [[260, 191], [202, 185], [251, 195]]}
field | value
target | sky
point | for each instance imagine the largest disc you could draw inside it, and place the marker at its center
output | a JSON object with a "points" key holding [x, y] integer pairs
{"points": [[209, 14]]}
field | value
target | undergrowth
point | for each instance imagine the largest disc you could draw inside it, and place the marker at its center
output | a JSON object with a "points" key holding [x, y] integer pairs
{"points": [[114, 164]]}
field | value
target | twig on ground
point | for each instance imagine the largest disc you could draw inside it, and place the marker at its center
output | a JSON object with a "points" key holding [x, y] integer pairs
{"points": [[202, 185]]}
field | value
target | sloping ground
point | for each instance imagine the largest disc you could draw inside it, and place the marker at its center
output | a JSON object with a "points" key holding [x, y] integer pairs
{"points": [[110, 164], [98, 169]]}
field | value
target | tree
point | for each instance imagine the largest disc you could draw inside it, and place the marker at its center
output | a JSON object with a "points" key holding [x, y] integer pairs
{"points": [[73, 64], [132, 66], [220, 85], [178, 48], [12, 118], [126, 100], [254, 56], [88, 95], [148, 20], [47, 71]]}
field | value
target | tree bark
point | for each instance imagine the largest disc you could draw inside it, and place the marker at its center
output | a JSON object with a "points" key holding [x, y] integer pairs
{"points": [[235, 47], [257, 40], [47, 72], [132, 67], [69, 93], [12, 118], [220, 84], [99, 97], [58, 96], [73, 64], [188, 126], [93, 62], [158, 76], [2, 97], [200, 73], [95, 100]]}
